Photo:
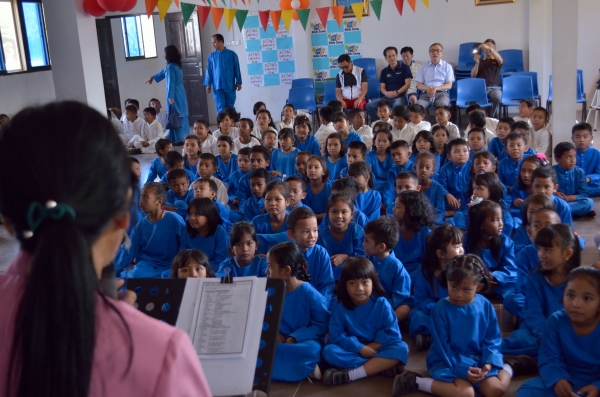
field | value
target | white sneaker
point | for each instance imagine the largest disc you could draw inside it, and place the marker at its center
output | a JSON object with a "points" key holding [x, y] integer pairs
{"points": [[316, 373]]}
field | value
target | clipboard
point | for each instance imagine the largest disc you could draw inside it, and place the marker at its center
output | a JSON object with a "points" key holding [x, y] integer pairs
{"points": [[162, 298]]}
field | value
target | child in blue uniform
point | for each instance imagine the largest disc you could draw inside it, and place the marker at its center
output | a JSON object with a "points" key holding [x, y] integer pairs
{"points": [[207, 188], [456, 175], [347, 185], [259, 158], [178, 196], [204, 232], [297, 187], [158, 167], [356, 151], [255, 205], [425, 168], [522, 188], [443, 244], [368, 199], [340, 123], [441, 137], [154, 240], [521, 238], [424, 142], [227, 163], [379, 158], [304, 320], [191, 149], [413, 212], [588, 158], [243, 244], [304, 140], [400, 151], [190, 263], [568, 361], [303, 230], [508, 168], [484, 237], [301, 160], [243, 168], [544, 180], [283, 159], [484, 162], [476, 140], [135, 213], [364, 338], [319, 186], [174, 161], [498, 144], [335, 155], [405, 181], [341, 238], [572, 185], [465, 350], [381, 236], [274, 220]]}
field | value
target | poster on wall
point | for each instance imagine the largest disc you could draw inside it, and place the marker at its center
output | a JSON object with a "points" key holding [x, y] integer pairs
{"points": [[269, 55], [327, 44]]}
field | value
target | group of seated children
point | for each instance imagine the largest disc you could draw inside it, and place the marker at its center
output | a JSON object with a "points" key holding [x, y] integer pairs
{"points": [[410, 228]]}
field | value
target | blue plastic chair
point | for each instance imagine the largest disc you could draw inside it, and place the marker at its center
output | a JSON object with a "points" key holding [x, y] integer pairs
{"points": [[515, 89], [513, 62], [329, 94], [465, 58], [374, 91], [579, 96], [469, 91], [368, 64], [297, 83], [534, 83], [303, 98]]}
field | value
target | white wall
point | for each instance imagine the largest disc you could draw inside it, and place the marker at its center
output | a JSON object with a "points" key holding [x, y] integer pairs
{"points": [[588, 56], [26, 89]]}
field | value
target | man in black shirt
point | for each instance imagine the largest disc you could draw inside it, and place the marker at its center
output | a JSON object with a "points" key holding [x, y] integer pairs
{"points": [[488, 69]]}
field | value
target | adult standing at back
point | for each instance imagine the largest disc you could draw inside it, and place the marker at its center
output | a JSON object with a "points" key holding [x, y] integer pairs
{"points": [[176, 96], [351, 84], [223, 76], [435, 78], [394, 82], [488, 69]]}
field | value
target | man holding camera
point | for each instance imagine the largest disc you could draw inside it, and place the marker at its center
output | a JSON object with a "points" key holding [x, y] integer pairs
{"points": [[488, 69]]}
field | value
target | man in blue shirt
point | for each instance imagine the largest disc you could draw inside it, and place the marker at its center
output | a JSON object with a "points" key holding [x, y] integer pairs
{"points": [[223, 76], [435, 77], [395, 80]]}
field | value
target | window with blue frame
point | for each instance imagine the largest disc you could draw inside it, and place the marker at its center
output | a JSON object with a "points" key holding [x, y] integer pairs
{"points": [[23, 43], [138, 37]]}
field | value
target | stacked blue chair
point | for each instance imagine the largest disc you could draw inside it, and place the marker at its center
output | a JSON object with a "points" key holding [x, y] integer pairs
{"points": [[374, 91], [579, 96], [465, 61], [368, 64], [534, 84], [471, 91], [513, 62], [303, 98], [515, 89], [297, 83]]}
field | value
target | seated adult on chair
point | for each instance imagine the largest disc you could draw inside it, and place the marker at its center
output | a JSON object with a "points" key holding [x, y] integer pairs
{"points": [[488, 68], [435, 77], [395, 80], [351, 84]]}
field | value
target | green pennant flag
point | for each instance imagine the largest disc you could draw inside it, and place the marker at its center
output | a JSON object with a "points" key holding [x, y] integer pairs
{"points": [[225, 4], [240, 17], [376, 4], [303, 15], [186, 11]]}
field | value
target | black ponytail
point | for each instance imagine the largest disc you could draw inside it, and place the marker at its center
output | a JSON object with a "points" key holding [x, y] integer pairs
{"points": [[288, 254]]}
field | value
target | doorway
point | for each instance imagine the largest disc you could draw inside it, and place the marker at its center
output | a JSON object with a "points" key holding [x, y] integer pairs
{"points": [[108, 63]]}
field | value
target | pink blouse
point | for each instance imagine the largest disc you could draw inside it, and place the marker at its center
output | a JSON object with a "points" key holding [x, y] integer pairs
{"points": [[164, 361]]}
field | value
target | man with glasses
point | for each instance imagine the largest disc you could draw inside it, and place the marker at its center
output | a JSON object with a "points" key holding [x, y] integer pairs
{"points": [[394, 81], [351, 84], [488, 68], [435, 78]]}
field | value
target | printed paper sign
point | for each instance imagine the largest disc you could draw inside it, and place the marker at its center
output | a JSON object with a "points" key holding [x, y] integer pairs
{"points": [[268, 44], [352, 49], [335, 38], [351, 25], [286, 78], [317, 27], [321, 75], [251, 34], [271, 67], [257, 80], [333, 63], [320, 52], [254, 57], [285, 55], [283, 32]]}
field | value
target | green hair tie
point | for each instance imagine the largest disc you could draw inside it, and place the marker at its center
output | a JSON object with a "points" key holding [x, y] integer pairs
{"points": [[39, 213]]}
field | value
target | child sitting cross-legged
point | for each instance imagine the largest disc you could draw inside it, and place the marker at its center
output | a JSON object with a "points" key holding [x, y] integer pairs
{"points": [[572, 185]]}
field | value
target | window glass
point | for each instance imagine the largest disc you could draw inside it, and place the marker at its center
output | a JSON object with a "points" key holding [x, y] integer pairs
{"points": [[10, 44], [34, 28]]}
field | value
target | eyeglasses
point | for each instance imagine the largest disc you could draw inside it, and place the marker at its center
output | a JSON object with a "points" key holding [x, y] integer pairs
{"points": [[435, 51], [345, 66]]}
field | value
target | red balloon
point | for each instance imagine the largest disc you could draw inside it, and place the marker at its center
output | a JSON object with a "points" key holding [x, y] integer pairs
{"points": [[112, 5], [92, 8], [129, 4]]}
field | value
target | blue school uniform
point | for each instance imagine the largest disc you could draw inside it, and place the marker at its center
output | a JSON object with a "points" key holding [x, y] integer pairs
{"points": [[353, 137], [305, 318], [153, 245], [285, 163], [435, 194], [262, 224], [243, 191], [389, 193], [157, 169], [508, 170], [253, 207], [425, 300], [440, 161], [496, 147], [268, 241], [258, 267], [300, 205], [319, 268], [224, 214], [564, 355], [563, 210], [517, 193], [234, 182], [318, 201], [456, 180], [380, 169], [135, 212], [311, 144], [521, 239], [227, 169], [335, 168], [573, 182], [369, 203], [394, 279], [193, 169], [180, 202], [589, 162], [463, 337], [191, 176], [351, 329], [350, 244], [411, 252], [359, 218], [461, 219], [541, 300], [215, 247]]}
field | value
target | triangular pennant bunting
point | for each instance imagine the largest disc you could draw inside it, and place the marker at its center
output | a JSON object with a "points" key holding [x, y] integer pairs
{"points": [[275, 18], [376, 5], [303, 15], [426, 2], [357, 8], [163, 7], [399, 5], [209, 3], [203, 12], [287, 16], [224, 2], [240, 17], [413, 4], [244, 2], [338, 14], [177, 3], [186, 11], [217, 15], [229, 17], [235, 2], [150, 6], [204, 1], [264, 19], [323, 13]]}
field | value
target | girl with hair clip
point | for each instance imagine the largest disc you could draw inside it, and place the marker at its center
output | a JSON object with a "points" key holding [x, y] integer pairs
{"points": [[283, 159], [258, 106], [465, 349], [443, 244], [379, 157], [368, 199], [558, 253], [243, 243], [484, 238], [227, 162], [568, 359], [319, 187], [62, 333], [531, 204], [191, 152], [335, 155], [304, 320], [424, 142], [191, 263], [413, 211], [522, 189], [226, 126], [205, 232], [342, 238], [364, 338], [277, 199], [264, 122], [304, 140], [441, 136]]}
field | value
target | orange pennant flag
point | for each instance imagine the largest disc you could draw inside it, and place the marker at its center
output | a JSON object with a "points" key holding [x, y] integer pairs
{"points": [[338, 14], [150, 6], [413, 4], [217, 15], [235, 2], [275, 18], [177, 3]]}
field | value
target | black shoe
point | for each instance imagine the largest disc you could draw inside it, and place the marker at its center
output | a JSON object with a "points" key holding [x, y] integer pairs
{"points": [[392, 372], [423, 342], [335, 377], [521, 365], [134, 151], [178, 144], [405, 383]]}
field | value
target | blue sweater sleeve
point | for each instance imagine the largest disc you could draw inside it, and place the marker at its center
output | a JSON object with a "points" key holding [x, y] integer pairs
{"points": [[550, 360], [534, 304], [221, 249], [389, 194], [490, 348], [319, 319], [153, 172], [401, 294], [357, 241], [582, 187], [337, 333], [160, 76], [423, 299], [389, 332], [508, 268]]}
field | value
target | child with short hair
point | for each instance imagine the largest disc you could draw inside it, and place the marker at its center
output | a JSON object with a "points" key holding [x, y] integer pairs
{"points": [[326, 128], [522, 188], [364, 338], [356, 151], [348, 186], [243, 168], [135, 129], [442, 116], [158, 167], [402, 129], [205, 232], [154, 240], [441, 137], [508, 168], [400, 151], [425, 169], [174, 160], [526, 107], [207, 167], [227, 161], [476, 140], [497, 145], [297, 188], [305, 317], [264, 123], [191, 264], [379, 158], [478, 118], [455, 175], [207, 188], [381, 236], [545, 181], [304, 141], [269, 141], [521, 238], [276, 199], [368, 199], [154, 132], [191, 153], [588, 158], [283, 159], [417, 118], [340, 123], [243, 243], [259, 158], [319, 185], [255, 204], [335, 155], [357, 121], [244, 139], [178, 196], [208, 141], [301, 160], [335, 105], [485, 162], [161, 117], [288, 112], [424, 142], [541, 136], [384, 111], [572, 186], [226, 126]]}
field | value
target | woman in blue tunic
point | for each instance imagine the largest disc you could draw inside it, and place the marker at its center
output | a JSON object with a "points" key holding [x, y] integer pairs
{"points": [[305, 316], [176, 95]]}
